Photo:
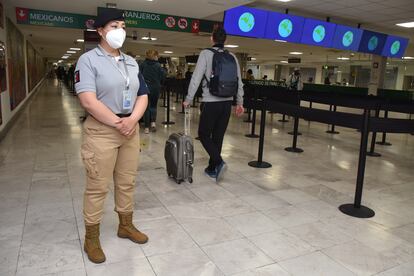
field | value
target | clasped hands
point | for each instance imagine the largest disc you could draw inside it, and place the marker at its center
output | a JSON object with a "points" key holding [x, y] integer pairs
{"points": [[126, 126]]}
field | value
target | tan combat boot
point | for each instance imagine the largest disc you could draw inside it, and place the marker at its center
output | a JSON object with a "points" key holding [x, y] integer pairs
{"points": [[127, 230], [92, 245]]}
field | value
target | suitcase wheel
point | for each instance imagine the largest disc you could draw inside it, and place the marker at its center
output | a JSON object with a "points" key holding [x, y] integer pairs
{"points": [[190, 180], [178, 181]]}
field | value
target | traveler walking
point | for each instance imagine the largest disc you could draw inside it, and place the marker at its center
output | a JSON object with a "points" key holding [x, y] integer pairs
{"points": [[219, 72], [109, 88]]}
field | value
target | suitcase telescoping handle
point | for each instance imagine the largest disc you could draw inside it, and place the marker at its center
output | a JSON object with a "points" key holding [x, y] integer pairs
{"points": [[187, 120]]}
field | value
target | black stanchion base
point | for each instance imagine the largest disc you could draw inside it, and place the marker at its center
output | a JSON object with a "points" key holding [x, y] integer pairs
{"points": [[168, 123], [332, 132], [384, 143], [252, 136], [292, 133], [283, 121], [197, 138], [295, 150], [260, 165], [248, 121], [373, 154], [351, 210]]}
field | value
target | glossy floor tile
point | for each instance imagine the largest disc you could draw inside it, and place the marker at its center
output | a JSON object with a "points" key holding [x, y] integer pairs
{"points": [[263, 222]]}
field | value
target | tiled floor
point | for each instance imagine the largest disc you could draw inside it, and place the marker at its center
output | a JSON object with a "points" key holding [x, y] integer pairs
{"points": [[278, 221]]}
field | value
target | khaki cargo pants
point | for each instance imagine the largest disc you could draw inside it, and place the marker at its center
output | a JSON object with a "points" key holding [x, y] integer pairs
{"points": [[108, 155]]}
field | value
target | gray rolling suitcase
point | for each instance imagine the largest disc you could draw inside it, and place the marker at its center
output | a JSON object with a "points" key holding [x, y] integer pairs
{"points": [[179, 154]]}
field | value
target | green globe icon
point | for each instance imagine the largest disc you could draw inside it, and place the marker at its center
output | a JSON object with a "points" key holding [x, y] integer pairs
{"points": [[395, 47], [348, 38], [246, 22], [319, 33], [373, 43], [285, 28]]}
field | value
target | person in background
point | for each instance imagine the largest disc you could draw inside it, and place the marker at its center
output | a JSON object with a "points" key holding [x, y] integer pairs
{"points": [[216, 111], [310, 80], [327, 80], [249, 74], [265, 77], [153, 75], [295, 82], [113, 92], [188, 74]]}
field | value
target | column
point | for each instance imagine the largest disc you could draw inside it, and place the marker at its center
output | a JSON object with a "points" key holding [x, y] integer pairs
{"points": [[376, 80], [242, 59]]}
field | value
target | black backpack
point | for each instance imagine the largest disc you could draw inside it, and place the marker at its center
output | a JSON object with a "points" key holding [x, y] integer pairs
{"points": [[224, 81]]}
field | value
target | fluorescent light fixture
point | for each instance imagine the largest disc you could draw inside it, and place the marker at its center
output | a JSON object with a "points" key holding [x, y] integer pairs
{"points": [[406, 25], [71, 52], [75, 49], [339, 71], [296, 53], [279, 40], [60, 61], [283, 1], [90, 30], [408, 58], [80, 40], [343, 58], [284, 61], [65, 57], [253, 59], [149, 38], [231, 46], [168, 52]]}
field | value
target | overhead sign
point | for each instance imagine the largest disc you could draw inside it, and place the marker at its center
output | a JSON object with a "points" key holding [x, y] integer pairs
{"points": [[285, 27], [54, 19], [372, 42], [395, 46], [318, 33], [148, 20], [347, 38]]}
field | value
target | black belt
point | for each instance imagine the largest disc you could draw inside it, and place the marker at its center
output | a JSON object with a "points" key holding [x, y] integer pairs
{"points": [[123, 115]]}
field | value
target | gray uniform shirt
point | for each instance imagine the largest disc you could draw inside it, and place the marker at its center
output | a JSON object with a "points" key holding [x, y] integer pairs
{"points": [[96, 71], [204, 68]]}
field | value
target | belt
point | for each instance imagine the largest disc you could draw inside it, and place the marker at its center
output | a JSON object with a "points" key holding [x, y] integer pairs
{"points": [[123, 115]]}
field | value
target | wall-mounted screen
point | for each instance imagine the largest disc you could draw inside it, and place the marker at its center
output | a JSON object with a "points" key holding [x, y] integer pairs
{"points": [[284, 27], [372, 42], [318, 33], [347, 38], [245, 21], [395, 46]]}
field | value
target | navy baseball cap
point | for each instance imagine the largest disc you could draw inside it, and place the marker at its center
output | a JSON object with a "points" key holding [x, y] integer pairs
{"points": [[108, 15]]}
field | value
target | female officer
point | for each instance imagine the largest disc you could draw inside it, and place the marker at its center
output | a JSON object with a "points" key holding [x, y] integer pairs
{"points": [[108, 85]]}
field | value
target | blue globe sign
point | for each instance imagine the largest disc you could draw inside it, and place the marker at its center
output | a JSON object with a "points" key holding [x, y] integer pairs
{"points": [[246, 22], [395, 47], [348, 38], [373, 43], [285, 28], [319, 33]]}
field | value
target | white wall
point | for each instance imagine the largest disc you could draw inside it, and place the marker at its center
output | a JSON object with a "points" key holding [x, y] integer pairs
{"points": [[404, 70], [7, 113], [268, 70]]}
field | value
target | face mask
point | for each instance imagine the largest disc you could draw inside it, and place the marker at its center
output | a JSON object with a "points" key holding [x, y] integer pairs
{"points": [[116, 38]]}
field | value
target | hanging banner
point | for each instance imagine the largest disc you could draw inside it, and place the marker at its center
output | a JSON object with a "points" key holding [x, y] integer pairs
{"points": [[54, 19], [157, 21]]}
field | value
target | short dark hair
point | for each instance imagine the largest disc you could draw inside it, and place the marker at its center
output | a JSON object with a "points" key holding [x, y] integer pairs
{"points": [[250, 71], [219, 35]]}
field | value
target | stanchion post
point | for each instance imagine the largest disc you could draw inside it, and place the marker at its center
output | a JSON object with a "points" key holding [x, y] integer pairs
{"points": [[384, 134], [332, 130], [356, 209], [284, 119], [253, 132], [295, 138], [164, 92], [168, 122], [249, 116], [260, 163], [372, 152]]}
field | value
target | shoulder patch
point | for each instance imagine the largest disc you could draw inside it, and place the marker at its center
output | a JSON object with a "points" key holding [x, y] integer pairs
{"points": [[77, 76]]}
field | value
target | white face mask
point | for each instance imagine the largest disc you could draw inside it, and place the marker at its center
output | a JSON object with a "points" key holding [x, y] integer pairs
{"points": [[116, 38]]}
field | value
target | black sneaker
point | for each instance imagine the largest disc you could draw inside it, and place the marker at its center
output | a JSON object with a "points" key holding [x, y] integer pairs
{"points": [[210, 173], [220, 170]]}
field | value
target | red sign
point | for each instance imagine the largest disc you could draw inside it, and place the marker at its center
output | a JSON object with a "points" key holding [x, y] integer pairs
{"points": [[195, 26], [22, 15], [170, 22]]}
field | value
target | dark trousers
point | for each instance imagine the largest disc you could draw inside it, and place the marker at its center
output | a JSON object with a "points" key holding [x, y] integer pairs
{"points": [[214, 120], [150, 115]]}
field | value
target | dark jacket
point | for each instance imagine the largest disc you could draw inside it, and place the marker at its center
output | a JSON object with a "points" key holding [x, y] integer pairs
{"points": [[153, 73]]}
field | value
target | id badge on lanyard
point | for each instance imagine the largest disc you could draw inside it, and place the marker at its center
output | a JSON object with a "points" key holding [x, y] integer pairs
{"points": [[126, 92]]}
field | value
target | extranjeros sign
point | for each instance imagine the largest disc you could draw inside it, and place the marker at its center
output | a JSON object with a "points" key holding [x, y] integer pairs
{"points": [[54, 19]]}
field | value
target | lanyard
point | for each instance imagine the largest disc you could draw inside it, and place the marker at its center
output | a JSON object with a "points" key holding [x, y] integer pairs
{"points": [[125, 76]]}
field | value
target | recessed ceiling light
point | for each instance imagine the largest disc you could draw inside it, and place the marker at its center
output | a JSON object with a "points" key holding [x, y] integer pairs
{"points": [[406, 25], [284, 61], [408, 58], [71, 52], [283, 0], [253, 59], [64, 57], [279, 40], [168, 52], [343, 58], [80, 40], [231, 46], [296, 53], [149, 38], [60, 61], [75, 49]]}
